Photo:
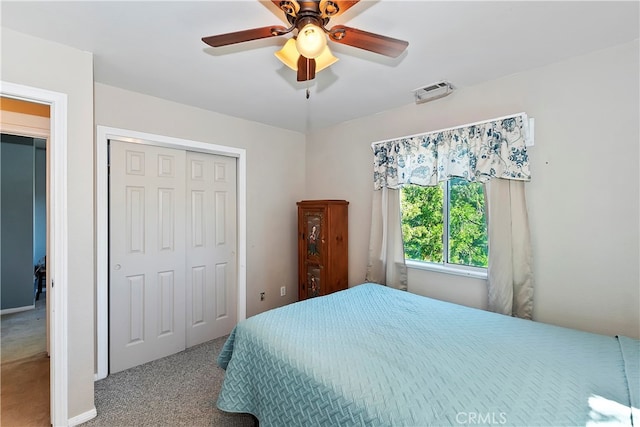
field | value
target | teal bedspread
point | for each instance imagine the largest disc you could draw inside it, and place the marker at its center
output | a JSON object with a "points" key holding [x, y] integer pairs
{"points": [[376, 356]]}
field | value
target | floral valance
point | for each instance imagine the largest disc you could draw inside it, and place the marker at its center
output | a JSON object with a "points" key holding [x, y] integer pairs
{"points": [[476, 152]]}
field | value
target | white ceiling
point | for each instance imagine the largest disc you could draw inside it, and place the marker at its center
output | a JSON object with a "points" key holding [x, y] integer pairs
{"points": [[155, 47]]}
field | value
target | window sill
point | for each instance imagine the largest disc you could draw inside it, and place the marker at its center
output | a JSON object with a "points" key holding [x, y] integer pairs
{"points": [[476, 273]]}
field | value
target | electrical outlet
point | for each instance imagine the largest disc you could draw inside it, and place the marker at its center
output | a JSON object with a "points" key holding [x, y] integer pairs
{"points": [[261, 296], [283, 291]]}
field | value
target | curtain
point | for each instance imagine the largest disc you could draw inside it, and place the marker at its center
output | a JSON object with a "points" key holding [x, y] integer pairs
{"points": [[493, 152], [479, 152], [510, 281], [386, 249]]}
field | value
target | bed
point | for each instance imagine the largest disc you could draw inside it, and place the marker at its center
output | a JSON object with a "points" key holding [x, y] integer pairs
{"points": [[376, 356]]}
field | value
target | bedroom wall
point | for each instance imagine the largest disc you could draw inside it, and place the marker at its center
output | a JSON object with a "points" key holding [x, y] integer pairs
{"points": [[39, 63], [16, 275], [583, 198], [275, 179], [40, 204]]}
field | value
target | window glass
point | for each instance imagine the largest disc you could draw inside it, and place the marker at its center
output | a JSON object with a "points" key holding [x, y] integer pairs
{"points": [[467, 224], [445, 224]]}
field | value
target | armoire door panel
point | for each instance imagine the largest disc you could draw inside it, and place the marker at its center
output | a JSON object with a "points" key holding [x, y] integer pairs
{"points": [[313, 230], [314, 281]]}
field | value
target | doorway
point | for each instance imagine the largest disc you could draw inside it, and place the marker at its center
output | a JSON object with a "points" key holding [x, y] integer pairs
{"points": [[57, 240], [25, 368], [104, 135]]}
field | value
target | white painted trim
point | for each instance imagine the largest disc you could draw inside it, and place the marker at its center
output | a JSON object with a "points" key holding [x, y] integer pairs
{"points": [[59, 242], [466, 271], [102, 255], [103, 135], [242, 237], [83, 418], [17, 309]]}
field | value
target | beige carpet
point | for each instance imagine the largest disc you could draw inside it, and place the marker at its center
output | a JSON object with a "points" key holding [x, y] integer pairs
{"points": [[177, 390], [24, 371]]}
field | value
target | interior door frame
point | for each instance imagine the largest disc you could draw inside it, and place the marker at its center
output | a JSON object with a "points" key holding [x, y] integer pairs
{"points": [[104, 134], [58, 244]]}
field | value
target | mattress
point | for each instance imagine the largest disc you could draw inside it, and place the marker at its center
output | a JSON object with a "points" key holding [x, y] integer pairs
{"points": [[376, 356]]}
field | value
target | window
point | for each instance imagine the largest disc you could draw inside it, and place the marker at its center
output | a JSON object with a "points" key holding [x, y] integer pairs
{"points": [[446, 225]]}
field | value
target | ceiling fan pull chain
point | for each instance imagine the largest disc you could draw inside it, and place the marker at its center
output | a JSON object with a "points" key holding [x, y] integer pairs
{"points": [[308, 78]]}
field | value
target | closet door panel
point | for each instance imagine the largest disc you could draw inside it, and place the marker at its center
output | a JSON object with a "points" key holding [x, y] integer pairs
{"points": [[211, 247], [147, 254]]}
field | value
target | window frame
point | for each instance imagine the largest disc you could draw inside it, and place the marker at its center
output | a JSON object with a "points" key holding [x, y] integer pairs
{"points": [[446, 267]]}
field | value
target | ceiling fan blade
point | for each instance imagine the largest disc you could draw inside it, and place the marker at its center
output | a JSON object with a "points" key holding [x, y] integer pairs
{"points": [[306, 69], [331, 8], [372, 42], [244, 36]]}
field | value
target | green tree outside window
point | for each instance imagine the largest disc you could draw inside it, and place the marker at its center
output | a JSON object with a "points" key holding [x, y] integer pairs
{"points": [[427, 215]]}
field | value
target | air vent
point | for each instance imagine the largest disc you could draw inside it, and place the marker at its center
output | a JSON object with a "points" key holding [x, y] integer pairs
{"points": [[432, 91]]}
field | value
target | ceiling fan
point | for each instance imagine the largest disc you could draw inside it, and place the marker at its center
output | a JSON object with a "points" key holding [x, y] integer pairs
{"points": [[307, 52]]}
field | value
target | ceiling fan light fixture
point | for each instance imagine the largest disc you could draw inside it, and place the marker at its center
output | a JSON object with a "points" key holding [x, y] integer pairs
{"points": [[325, 59], [311, 41], [288, 55]]}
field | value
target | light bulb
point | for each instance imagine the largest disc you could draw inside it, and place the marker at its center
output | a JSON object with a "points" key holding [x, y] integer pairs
{"points": [[311, 41]]}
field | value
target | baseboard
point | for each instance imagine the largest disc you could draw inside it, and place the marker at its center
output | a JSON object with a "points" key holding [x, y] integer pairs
{"points": [[83, 418], [17, 309]]}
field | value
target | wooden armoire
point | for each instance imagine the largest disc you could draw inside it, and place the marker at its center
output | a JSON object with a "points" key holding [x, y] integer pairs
{"points": [[323, 247]]}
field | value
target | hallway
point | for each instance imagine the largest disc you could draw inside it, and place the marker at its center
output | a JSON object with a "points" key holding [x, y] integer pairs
{"points": [[24, 371]]}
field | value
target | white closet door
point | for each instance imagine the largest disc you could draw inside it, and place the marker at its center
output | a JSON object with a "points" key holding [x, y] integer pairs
{"points": [[147, 253], [211, 247]]}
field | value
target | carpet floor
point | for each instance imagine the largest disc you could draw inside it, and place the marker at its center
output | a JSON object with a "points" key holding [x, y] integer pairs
{"points": [[24, 334], [24, 371], [178, 390]]}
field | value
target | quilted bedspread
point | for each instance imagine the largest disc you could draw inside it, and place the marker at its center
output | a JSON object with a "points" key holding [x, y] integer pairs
{"points": [[376, 356]]}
